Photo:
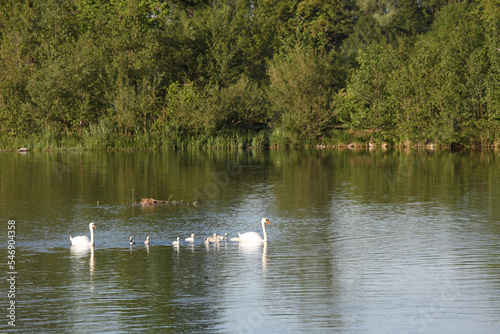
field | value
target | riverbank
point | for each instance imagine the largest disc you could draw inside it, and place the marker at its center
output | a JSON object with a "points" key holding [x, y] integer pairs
{"points": [[266, 138]]}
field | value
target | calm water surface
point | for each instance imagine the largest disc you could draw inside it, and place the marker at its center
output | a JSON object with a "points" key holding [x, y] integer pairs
{"points": [[359, 242]]}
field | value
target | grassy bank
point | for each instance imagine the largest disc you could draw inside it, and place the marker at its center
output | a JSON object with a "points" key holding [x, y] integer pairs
{"points": [[100, 138]]}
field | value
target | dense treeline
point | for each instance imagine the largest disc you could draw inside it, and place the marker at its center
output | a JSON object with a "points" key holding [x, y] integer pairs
{"points": [[145, 73]]}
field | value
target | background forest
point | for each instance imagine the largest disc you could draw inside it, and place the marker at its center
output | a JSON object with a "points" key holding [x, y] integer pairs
{"points": [[215, 74]]}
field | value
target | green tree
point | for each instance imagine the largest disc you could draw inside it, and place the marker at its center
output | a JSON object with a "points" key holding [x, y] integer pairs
{"points": [[385, 21], [223, 35], [365, 102], [281, 25], [16, 65], [446, 77], [302, 94], [489, 15]]}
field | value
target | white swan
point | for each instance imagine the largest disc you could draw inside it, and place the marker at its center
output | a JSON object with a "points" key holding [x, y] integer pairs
{"points": [[176, 243], [83, 240], [132, 242], [191, 238], [146, 242], [253, 236]]}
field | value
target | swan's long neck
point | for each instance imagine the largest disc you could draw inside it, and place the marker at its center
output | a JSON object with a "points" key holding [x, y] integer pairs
{"points": [[264, 231], [91, 236]]}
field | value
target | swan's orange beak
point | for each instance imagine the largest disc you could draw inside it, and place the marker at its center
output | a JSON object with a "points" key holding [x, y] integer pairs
{"points": [[94, 226], [267, 221]]}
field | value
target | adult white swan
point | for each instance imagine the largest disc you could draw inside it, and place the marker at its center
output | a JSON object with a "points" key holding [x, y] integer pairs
{"points": [[83, 240], [253, 236]]}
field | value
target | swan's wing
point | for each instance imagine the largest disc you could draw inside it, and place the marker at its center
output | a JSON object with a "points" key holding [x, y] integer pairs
{"points": [[251, 237], [80, 240]]}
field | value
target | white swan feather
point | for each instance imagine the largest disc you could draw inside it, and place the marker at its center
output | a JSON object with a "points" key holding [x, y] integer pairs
{"points": [[82, 240]]}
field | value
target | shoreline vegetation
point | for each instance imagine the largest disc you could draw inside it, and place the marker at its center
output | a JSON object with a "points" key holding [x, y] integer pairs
{"points": [[236, 142], [239, 74]]}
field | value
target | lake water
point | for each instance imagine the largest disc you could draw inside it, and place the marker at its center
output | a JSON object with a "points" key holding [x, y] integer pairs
{"points": [[359, 242]]}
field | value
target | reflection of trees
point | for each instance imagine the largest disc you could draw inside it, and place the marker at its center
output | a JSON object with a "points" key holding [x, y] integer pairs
{"points": [[166, 287]]}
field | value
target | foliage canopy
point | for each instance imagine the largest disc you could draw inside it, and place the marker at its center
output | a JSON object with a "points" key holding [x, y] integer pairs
{"points": [[146, 73]]}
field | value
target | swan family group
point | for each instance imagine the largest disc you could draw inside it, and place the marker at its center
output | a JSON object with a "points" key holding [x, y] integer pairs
{"points": [[242, 237]]}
